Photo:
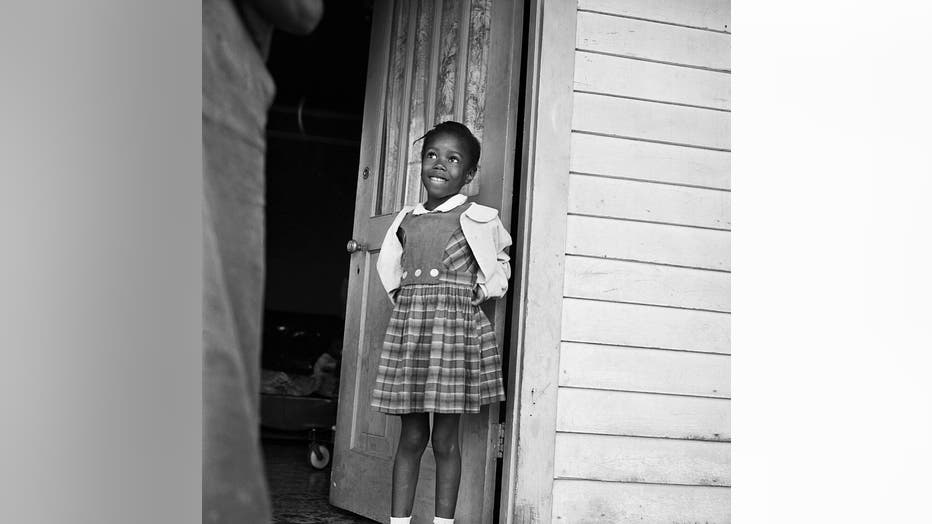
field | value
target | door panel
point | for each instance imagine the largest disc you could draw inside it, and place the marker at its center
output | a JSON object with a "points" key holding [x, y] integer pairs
{"points": [[370, 434], [429, 61]]}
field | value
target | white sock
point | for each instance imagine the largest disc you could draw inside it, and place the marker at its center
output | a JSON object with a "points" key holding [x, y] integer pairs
{"points": [[440, 520], [400, 520]]}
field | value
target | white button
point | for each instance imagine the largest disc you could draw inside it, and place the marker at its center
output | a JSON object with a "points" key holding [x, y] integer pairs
{"points": [[434, 272], [417, 272], [404, 274]]}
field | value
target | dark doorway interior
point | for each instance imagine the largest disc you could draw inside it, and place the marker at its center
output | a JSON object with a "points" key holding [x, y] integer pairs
{"points": [[311, 163]]}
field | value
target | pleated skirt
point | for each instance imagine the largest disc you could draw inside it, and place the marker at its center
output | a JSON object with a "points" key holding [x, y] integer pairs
{"points": [[439, 354]]}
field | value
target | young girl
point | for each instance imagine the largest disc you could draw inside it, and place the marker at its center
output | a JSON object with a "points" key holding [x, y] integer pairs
{"points": [[438, 262]]}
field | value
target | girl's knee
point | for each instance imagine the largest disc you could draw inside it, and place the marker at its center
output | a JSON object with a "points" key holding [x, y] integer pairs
{"points": [[445, 444], [413, 440]]}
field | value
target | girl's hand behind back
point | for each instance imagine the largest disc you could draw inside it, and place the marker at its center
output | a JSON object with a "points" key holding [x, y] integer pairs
{"points": [[478, 296]]}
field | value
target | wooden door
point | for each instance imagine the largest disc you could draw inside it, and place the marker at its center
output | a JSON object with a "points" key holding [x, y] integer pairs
{"points": [[429, 61]]}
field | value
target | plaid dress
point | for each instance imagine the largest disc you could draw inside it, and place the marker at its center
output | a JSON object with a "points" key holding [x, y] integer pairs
{"points": [[440, 353]]}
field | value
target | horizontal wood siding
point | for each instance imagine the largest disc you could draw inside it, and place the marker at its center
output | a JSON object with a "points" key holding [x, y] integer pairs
{"points": [[665, 204], [666, 123], [708, 14], [646, 370], [650, 162], [643, 405], [597, 73], [638, 459], [648, 242], [643, 414], [652, 284], [617, 323], [594, 502], [648, 40]]}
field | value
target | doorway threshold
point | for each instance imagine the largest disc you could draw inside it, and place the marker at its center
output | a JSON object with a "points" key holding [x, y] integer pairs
{"points": [[299, 492]]}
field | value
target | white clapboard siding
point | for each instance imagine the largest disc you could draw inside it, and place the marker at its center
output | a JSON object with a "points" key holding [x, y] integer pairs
{"points": [[645, 326], [645, 370], [618, 198], [650, 40], [618, 157], [642, 414], [709, 14], [637, 459], [594, 502], [643, 400], [661, 243], [623, 281], [623, 117], [620, 76]]}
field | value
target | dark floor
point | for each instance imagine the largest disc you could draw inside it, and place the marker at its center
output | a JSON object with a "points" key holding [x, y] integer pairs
{"points": [[299, 492]]}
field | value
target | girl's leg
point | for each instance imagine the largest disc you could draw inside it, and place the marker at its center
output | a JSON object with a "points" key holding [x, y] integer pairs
{"points": [[415, 430], [445, 440]]}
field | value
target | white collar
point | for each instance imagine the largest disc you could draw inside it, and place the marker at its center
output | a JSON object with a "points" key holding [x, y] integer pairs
{"points": [[451, 203]]}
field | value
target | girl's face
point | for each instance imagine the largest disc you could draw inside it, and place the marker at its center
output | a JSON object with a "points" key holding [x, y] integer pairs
{"points": [[444, 166]]}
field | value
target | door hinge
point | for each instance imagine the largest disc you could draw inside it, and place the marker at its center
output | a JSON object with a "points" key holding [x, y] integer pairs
{"points": [[500, 445]]}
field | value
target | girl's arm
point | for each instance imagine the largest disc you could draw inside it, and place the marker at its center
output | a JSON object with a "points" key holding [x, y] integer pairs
{"points": [[502, 243], [503, 258], [389, 262]]}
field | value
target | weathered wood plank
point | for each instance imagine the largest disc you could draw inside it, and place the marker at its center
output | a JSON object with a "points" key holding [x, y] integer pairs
{"points": [[708, 14], [677, 245], [650, 161], [585, 502], [636, 459], [643, 414], [527, 470], [651, 121], [647, 370], [645, 326], [652, 202], [622, 281], [612, 75], [652, 41]]}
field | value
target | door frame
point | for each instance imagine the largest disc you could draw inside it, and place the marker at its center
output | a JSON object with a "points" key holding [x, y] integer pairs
{"points": [[539, 253], [503, 94], [503, 112]]}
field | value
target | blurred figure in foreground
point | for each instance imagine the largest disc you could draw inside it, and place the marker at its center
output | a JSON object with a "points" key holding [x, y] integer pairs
{"points": [[237, 92]]}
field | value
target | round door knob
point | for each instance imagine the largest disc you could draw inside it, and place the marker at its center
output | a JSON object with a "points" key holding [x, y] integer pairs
{"points": [[352, 246]]}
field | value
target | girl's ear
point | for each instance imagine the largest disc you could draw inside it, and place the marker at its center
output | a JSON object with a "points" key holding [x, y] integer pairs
{"points": [[471, 174]]}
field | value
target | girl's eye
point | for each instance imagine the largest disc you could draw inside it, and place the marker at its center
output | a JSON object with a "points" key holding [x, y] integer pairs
{"points": [[454, 160], [431, 154]]}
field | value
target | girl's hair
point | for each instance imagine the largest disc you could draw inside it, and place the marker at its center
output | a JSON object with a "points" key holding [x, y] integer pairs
{"points": [[462, 132]]}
